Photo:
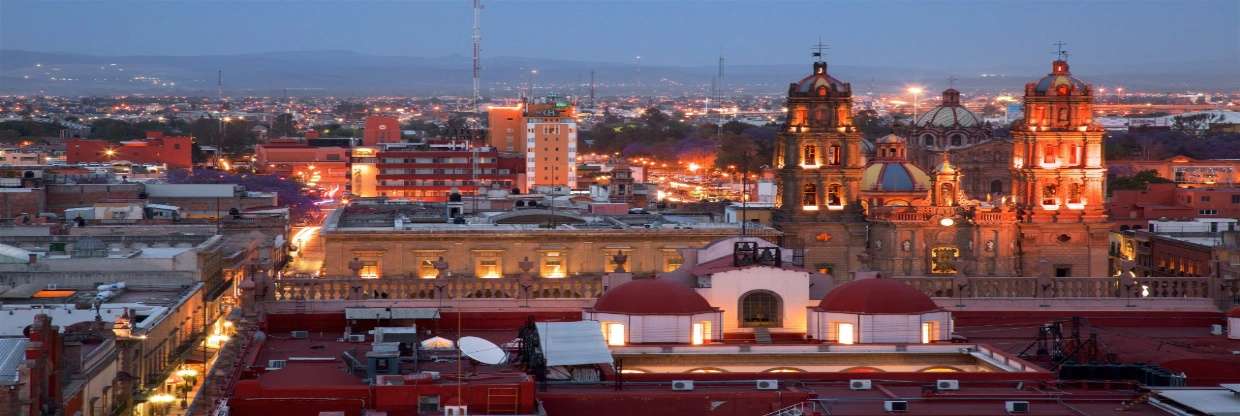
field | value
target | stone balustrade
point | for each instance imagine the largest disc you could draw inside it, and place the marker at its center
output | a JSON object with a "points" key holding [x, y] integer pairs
{"points": [[1062, 287], [443, 289]]}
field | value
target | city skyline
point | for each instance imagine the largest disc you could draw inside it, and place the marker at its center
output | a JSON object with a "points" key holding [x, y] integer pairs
{"points": [[961, 36]]}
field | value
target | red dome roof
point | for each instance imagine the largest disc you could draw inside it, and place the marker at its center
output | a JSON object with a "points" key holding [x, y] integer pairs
{"points": [[652, 297], [1234, 312], [877, 296]]}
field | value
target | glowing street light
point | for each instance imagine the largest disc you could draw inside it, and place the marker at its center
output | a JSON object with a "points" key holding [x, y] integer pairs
{"points": [[916, 91]]}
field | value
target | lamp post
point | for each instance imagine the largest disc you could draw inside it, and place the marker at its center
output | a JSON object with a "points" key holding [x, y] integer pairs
{"points": [[916, 91]]}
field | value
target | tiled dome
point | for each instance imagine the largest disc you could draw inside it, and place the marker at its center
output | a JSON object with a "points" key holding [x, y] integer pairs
{"points": [[877, 296], [894, 176], [652, 297]]}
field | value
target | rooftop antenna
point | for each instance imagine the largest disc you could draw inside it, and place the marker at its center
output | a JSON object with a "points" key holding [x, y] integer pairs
{"points": [[818, 49], [951, 81], [1060, 51], [477, 53], [719, 94], [591, 88]]}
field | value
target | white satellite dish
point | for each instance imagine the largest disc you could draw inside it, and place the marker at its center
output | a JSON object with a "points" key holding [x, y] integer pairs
{"points": [[481, 350]]}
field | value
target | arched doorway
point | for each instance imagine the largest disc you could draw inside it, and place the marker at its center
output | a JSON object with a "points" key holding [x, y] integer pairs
{"points": [[761, 309], [996, 186]]}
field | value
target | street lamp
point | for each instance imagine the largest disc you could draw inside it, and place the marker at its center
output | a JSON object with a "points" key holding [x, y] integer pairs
{"points": [[916, 91]]}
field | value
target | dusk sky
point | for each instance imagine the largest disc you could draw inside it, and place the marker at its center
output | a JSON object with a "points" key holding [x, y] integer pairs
{"points": [[932, 35]]}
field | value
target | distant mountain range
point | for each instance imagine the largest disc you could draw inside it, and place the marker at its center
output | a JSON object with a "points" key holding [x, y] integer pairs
{"points": [[336, 72]]}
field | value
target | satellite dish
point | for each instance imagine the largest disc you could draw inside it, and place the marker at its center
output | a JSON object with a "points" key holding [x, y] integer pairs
{"points": [[481, 350]]}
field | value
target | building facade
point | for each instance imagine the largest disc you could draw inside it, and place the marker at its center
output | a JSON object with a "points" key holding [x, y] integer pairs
{"points": [[381, 129], [550, 143], [173, 151], [952, 128]]}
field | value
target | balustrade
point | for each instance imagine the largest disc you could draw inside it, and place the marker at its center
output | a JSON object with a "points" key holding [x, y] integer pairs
{"points": [[446, 288], [1061, 287]]}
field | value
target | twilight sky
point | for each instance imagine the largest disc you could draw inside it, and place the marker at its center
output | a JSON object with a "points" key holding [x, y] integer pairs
{"points": [[926, 34]]}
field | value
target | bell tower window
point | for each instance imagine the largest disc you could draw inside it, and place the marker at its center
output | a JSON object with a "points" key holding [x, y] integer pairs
{"points": [[833, 195], [833, 155], [809, 196], [809, 155]]}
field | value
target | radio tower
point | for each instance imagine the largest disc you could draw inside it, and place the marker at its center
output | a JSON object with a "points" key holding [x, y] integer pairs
{"points": [[477, 52]]}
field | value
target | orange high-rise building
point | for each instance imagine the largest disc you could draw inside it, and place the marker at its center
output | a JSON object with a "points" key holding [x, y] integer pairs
{"points": [[381, 129], [550, 143], [506, 128]]}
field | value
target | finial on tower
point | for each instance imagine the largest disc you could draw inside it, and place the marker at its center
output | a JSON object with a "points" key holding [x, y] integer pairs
{"points": [[951, 81], [1060, 52], [818, 49]]}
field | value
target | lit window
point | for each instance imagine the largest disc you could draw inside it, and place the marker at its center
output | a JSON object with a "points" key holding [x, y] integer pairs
{"points": [[614, 333], [488, 268], [698, 337], [552, 265], [672, 261], [427, 270], [369, 270], [845, 331], [929, 332]]}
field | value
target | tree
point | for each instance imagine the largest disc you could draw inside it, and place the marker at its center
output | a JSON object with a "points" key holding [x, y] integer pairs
{"points": [[1139, 181], [872, 125], [283, 126]]}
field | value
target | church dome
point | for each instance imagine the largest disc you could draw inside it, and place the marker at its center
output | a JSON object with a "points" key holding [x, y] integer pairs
{"points": [[894, 176], [820, 84], [890, 139], [652, 297], [949, 113], [877, 296], [1060, 82]]}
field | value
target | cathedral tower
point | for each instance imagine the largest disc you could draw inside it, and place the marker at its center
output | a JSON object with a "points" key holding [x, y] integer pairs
{"points": [[1059, 176], [819, 157]]}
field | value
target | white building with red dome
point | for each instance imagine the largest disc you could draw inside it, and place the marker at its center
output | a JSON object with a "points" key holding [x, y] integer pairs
{"points": [[646, 311], [878, 310]]}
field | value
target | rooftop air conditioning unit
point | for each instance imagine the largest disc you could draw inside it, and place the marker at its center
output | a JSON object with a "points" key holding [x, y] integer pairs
{"points": [[682, 385], [947, 385], [767, 385], [1016, 406], [275, 364], [300, 334], [895, 406], [389, 380], [860, 384], [356, 338]]}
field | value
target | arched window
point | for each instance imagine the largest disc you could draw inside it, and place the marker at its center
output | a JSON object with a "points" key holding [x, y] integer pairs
{"points": [[809, 195], [761, 309], [948, 193], [809, 155], [927, 139], [1074, 193], [1049, 193], [996, 186], [833, 155], [956, 139], [833, 195], [1063, 113]]}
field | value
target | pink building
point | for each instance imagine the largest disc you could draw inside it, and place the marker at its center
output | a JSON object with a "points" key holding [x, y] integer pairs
{"points": [[1132, 209]]}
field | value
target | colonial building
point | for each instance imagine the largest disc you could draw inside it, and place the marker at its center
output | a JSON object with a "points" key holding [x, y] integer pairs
{"points": [[952, 128], [819, 157], [972, 214]]}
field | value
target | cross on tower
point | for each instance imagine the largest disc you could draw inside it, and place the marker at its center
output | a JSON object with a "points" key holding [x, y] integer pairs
{"points": [[1059, 50], [951, 81], [818, 48]]}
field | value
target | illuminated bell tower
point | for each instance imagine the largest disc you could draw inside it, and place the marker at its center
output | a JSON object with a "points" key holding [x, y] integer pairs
{"points": [[820, 163], [1057, 162], [1059, 177]]}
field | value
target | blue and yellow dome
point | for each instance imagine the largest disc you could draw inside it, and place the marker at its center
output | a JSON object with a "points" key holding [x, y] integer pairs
{"points": [[894, 176]]}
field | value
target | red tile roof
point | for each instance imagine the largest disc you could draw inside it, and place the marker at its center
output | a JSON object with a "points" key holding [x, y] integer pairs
{"points": [[877, 296], [652, 297]]}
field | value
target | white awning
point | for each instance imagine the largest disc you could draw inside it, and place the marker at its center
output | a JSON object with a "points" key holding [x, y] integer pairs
{"points": [[573, 343], [391, 313]]}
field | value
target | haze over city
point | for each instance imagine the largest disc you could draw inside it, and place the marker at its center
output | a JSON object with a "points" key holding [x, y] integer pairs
{"points": [[612, 208]]}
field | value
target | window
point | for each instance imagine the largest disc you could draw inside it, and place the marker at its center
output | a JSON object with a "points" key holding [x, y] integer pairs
{"points": [[1063, 271], [833, 155], [809, 155], [929, 332], [1074, 193], [1207, 212], [672, 261], [488, 268], [809, 195], [369, 270], [1048, 153], [428, 404], [927, 140], [1073, 154], [845, 332], [698, 335], [1235, 199], [614, 333], [956, 140], [427, 270], [996, 186], [761, 309], [1049, 195], [552, 265], [833, 195]]}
